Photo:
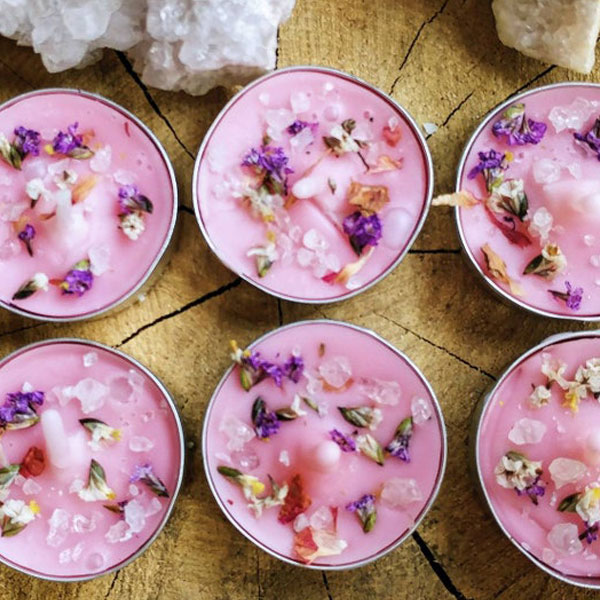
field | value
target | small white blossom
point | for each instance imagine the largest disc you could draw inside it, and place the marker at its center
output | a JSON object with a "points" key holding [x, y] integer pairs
{"points": [[515, 471], [34, 188], [133, 225], [588, 506], [346, 142], [590, 375], [40, 281], [540, 396], [65, 179], [19, 512], [554, 369]]}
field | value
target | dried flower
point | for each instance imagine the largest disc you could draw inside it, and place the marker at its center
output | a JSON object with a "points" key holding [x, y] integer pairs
{"points": [[591, 139], [293, 368], [362, 416], [345, 442], [38, 282], [16, 515], [145, 474], [392, 132], [509, 196], [291, 412], [554, 370], [515, 471], [398, 447], [7, 475], [574, 394], [365, 510], [19, 410], [386, 163], [131, 200], [26, 235], [296, 501], [297, 126], [97, 488], [492, 166], [270, 164], [589, 375], [132, 225], [497, 269], [265, 421], [26, 141], [572, 297], [35, 188], [362, 231], [548, 264], [509, 229], [79, 279], [82, 190], [33, 463], [70, 143], [341, 141], [349, 270], [540, 396], [332, 185], [264, 256], [463, 198], [368, 199], [251, 486], [518, 129], [586, 504], [370, 447], [101, 431]]}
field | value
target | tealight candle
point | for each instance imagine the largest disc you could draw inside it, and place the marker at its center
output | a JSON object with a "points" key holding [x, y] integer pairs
{"points": [[312, 184], [529, 206], [537, 447], [88, 204], [356, 448], [92, 459]]}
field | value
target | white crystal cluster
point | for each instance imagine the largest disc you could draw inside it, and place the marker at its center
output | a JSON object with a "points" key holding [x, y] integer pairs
{"points": [[554, 31], [191, 45]]}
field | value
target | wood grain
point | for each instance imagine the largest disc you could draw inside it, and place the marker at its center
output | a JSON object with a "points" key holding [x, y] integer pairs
{"points": [[441, 59]]}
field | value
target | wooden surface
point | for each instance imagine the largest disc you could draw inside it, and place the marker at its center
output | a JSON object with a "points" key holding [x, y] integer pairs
{"points": [[443, 62]]}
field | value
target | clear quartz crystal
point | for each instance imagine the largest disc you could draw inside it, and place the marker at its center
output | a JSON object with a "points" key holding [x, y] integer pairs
{"points": [[322, 518], [90, 359], [140, 443], [380, 391], [237, 432], [314, 240], [301, 522], [135, 516], [336, 371], [100, 162], [91, 393], [31, 487], [59, 525], [299, 101], [99, 259], [420, 409], [246, 460], [120, 389], [153, 508], [573, 116], [64, 556], [546, 170], [83, 524], [133, 490], [566, 470], [76, 485], [119, 532], [400, 492], [527, 431], [564, 539], [589, 240]]}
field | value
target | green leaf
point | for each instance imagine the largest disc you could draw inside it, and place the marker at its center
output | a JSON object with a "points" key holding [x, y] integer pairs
{"points": [[263, 264], [569, 503], [360, 416], [10, 528], [258, 408], [27, 289], [229, 472], [286, 414], [371, 448], [8, 475], [405, 428], [370, 521], [81, 153]]}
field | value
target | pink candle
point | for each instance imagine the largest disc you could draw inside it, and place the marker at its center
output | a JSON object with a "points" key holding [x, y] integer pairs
{"points": [[355, 448], [311, 184], [91, 477], [88, 204], [533, 232], [538, 455]]}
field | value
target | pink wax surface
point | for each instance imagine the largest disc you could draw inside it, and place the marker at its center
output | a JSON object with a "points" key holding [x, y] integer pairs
{"points": [[230, 227], [355, 474], [135, 159], [565, 437], [570, 226], [147, 413]]}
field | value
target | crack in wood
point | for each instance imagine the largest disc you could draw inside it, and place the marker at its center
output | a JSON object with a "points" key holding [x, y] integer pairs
{"points": [[136, 78], [20, 329], [414, 42], [112, 584], [437, 567], [17, 75], [530, 82], [277, 49], [326, 584], [279, 312], [260, 594], [452, 113], [186, 209], [445, 350], [218, 292], [436, 251]]}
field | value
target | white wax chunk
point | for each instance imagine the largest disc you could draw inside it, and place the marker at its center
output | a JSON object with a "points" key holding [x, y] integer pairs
{"points": [[57, 442], [325, 456], [592, 448]]}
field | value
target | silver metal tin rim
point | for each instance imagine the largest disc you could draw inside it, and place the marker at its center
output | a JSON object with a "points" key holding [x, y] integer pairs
{"points": [[336, 72], [499, 291], [434, 492], [177, 417], [157, 261], [478, 415]]}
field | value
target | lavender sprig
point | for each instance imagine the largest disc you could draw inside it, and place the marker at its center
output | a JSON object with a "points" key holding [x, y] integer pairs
{"points": [[345, 442], [362, 230], [518, 129], [590, 140], [145, 474], [19, 410], [70, 143], [365, 510], [270, 163], [265, 421], [26, 235], [398, 447], [27, 141], [491, 165], [572, 297], [79, 279]]}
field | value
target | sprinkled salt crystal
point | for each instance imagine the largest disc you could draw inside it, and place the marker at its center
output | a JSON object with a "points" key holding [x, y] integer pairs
{"points": [[121, 389], [19, 480], [284, 458], [135, 516], [134, 490], [589, 239], [246, 460], [59, 527], [76, 552], [83, 524], [299, 143], [99, 259], [400, 492], [420, 409], [31, 487], [91, 393], [548, 556], [314, 385], [301, 522], [124, 177], [541, 223], [119, 532], [148, 416], [65, 556], [546, 170], [237, 432], [135, 378], [90, 359], [336, 371], [380, 391], [76, 486], [595, 260], [314, 240], [304, 257], [566, 470], [527, 431], [95, 561], [322, 518], [574, 115], [63, 394], [264, 99], [139, 443], [100, 162], [277, 121], [153, 508], [27, 388], [430, 128], [300, 102], [564, 539]]}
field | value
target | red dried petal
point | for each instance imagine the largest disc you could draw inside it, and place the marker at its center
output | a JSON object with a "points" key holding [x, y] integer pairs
{"points": [[296, 501], [392, 136], [34, 463], [305, 545]]}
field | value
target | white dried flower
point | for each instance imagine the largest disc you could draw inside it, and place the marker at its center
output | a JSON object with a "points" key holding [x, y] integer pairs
{"points": [[588, 506], [515, 471], [133, 225], [590, 375], [554, 370], [540, 396], [34, 188]]}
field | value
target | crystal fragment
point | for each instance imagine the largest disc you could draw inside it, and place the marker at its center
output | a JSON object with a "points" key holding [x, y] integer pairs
{"points": [[59, 524], [564, 539], [527, 431], [237, 432], [566, 470], [336, 371], [139, 443], [400, 492]]}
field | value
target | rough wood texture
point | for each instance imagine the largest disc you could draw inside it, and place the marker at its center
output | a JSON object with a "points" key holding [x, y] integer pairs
{"points": [[442, 60]]}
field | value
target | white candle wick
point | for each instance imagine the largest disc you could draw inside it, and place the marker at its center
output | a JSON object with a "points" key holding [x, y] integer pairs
{"points": [[57, 442]]}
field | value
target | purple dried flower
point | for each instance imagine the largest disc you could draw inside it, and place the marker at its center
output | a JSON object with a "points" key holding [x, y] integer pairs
{"points": [[492, 165], [533, 491], [270, 163], [398, 447], [297, 126], [265, 421], [364, 508], [572, 297], [590, 533], [345, 442], [65, 143], [131, 200], [590, 140], [26, 235], [145, 474], [362, 230], [293, 368], [27, 141], [518, 129], [79, 279], [19, 409]]}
